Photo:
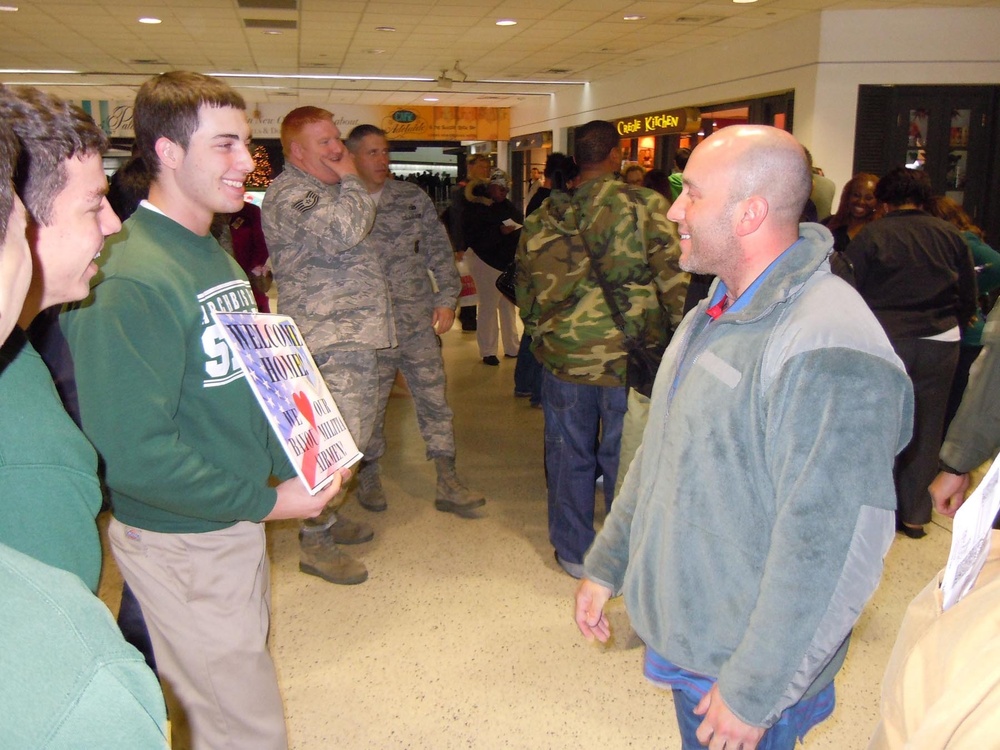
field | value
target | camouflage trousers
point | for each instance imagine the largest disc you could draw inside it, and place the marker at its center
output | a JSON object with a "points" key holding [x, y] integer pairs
{"points": [[418, 357], [352, 377]]}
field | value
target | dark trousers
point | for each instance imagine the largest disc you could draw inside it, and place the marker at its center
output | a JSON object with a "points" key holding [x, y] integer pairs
{"points": [[467, 317], [931, 367], [528, 372], [133, 626], [966, 356]]}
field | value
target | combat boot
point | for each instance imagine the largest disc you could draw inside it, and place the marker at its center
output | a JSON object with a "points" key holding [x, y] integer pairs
{"points": [[345, 531], [320, 556], [452, 495], [371, 496]]}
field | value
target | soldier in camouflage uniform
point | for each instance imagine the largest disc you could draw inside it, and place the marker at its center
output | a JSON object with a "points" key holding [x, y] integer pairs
{"points": [[411, 241], [574, 335], [315, 214]]}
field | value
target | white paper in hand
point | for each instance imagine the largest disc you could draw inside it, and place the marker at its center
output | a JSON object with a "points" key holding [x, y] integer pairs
{"points": [[970, 541]]}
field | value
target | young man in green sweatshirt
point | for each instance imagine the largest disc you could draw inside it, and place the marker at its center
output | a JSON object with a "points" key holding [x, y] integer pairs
{"points": [[70, 679], [188, 451], [48, 471]]}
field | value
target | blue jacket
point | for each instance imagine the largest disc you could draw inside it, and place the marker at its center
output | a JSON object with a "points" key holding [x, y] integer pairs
{"points": [[751, 527]]}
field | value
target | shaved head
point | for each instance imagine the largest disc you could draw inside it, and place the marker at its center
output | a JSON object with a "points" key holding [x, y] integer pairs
{"points": [[768, 162], [744, 189]]}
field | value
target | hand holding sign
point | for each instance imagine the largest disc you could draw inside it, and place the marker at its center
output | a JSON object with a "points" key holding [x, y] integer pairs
{"points": [[294, 500]]}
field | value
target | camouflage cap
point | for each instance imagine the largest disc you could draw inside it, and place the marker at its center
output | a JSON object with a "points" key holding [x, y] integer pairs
{"points": [[499, 177]]}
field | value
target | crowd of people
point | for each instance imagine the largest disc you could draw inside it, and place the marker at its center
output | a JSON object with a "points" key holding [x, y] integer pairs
{"points": [[759, 442]]}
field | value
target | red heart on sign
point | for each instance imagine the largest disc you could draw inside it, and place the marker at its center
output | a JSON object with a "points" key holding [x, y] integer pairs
{"points": [[312, 451]]}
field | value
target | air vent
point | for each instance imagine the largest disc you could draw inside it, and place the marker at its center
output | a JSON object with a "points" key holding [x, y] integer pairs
{"points": [[269, 4], [557, 71], [148, 61], [269, 23]]}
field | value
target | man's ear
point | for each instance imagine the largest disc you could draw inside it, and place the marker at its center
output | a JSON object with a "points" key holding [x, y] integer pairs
{"points": [[168, 152], [295, 150], [754, 211]]}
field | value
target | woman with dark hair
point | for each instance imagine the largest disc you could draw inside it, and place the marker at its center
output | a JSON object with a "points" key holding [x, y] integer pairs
{"points": [[916, 274], [858, 207], [987, 262], [560, 174]]}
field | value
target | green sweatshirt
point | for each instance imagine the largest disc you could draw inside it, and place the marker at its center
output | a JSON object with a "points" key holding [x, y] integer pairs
{"points": [[186, 445], [69, 678], [48, 471]]}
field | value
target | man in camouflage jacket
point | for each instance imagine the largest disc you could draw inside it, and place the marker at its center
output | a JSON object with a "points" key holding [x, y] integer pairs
{"points": [[574, 335], [412, 243], [315, 214]]}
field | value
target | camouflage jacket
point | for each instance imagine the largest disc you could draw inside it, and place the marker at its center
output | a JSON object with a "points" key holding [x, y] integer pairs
{"points": [[411, 240], [328, 280], [561, 302]]}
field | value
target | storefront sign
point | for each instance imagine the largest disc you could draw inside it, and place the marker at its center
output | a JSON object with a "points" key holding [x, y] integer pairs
{"points": [[684, 120], [399, 123]]}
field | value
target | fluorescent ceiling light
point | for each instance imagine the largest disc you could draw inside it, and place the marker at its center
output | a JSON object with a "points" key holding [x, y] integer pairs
{"points": [[431, 99], [22, 71], [150, 20], [532, 83], [506, 22], [633, 17], [8, 9], [323, 77]]}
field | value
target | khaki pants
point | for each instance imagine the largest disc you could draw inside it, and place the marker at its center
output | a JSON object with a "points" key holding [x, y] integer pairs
{"points": [[206, 600]]}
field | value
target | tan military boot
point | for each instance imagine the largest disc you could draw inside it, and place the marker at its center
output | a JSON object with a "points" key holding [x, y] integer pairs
{"points": [[320, 556], [452, 495], [371, 496]]}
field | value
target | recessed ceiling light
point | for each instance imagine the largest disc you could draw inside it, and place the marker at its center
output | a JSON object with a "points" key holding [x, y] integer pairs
{"points": [[744, 2], [506, 22], [375, 51], [385, 28], [8, 9], [431, 99], [150, 20], [272, 32], [633, 17]]}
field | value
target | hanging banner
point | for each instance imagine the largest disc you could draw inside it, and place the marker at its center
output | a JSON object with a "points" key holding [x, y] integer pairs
{"points": [[399, 123]]}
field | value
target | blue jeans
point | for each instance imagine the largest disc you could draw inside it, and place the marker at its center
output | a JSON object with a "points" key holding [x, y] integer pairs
{"points": [[583, 432], [528, 371], [782, 736]]}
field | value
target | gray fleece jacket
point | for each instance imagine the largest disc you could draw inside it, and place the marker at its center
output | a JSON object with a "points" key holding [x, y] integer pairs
{"points": [[752, 525]]}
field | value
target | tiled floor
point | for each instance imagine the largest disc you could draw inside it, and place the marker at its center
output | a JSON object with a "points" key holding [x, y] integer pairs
{"points": [[463, 636]]}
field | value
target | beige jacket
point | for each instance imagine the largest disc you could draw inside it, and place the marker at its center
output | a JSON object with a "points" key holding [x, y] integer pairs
{"points": [[942, 685]]}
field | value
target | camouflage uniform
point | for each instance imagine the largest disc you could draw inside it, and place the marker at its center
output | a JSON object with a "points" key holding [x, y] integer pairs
{"points": [[411, 240], [332, 284], [576, 339]]}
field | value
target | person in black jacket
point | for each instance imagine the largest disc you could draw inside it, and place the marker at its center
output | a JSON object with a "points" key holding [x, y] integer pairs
{"points": [[492, 226], [916, 274]]}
